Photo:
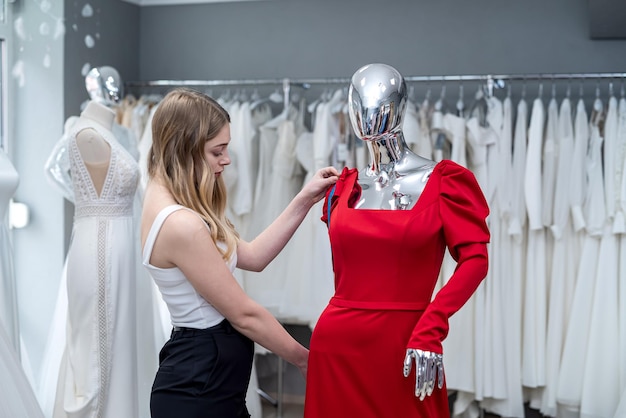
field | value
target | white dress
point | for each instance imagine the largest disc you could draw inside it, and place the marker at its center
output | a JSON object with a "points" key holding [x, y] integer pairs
{"points": [[282, 180], [152, 330], [309, 272], [479, 139], [17, 398], [9, 180], [505, 290], [98, 373], [619, 216], [563, 270], [534, 310], [572, 371], [459, 345], [600, 390]]}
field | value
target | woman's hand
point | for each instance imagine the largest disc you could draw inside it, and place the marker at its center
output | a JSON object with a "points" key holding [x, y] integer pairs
{"points": [[324, 178]]}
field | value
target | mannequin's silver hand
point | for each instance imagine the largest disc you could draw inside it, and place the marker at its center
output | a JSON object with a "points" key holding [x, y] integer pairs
{"points": [[428, 368]]}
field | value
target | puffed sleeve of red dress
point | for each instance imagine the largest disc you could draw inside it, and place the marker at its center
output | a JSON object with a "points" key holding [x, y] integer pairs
{"points": [[463, 211]]}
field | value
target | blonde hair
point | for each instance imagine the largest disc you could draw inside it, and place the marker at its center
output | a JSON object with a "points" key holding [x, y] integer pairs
{"points": [[183, 123]]}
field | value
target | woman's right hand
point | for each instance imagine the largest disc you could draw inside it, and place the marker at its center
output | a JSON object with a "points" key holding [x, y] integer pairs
{"points": [[321, 181]]}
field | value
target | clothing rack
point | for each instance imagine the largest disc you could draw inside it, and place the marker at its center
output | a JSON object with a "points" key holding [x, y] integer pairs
{"points": [[308, 82], [492, 81]]}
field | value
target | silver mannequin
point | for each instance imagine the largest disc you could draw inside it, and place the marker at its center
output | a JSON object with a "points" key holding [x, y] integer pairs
{"points": [[395, 176], [104, 85]]}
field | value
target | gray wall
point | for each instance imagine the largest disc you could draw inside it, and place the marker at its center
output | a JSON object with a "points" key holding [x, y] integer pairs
{"points": [[115, 29], [325, 38]]}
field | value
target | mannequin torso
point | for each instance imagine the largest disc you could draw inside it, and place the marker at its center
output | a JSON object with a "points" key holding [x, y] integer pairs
{"points": [[95, 150]]}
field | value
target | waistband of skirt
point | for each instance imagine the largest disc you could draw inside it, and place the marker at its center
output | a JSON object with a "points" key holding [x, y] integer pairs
{"points": [[223, 326], [379, 305]]}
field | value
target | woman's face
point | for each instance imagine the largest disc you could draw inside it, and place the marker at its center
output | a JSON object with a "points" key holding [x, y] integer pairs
{"points": [[216, 151]]}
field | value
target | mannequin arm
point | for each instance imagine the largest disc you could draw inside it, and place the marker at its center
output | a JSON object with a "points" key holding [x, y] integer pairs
{"points": [[428, 368]]}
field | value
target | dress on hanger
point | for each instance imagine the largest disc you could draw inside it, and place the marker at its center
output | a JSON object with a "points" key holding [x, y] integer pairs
{"points": [[562, 270], [380, 308], [309, 271], [534, 310], [603, 342], [281, 176], [98, 375], [572, 371]]}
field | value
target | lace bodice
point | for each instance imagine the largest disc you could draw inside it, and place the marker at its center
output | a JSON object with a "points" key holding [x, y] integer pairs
{"points": [[120, 185]]}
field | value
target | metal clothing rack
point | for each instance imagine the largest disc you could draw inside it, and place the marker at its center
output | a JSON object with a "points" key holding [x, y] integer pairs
{"points": [[492, 81]]}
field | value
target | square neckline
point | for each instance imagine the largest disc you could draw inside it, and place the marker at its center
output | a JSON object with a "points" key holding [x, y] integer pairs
{"points": [[417, 202]]}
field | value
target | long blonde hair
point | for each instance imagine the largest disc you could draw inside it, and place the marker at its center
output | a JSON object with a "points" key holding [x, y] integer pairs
{"points": [[182, 124]]}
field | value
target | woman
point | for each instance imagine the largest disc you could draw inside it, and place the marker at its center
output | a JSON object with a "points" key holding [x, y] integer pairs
{"points": [[191, 249]]}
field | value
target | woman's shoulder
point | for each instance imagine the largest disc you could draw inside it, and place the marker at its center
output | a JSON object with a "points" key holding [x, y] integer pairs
{"points": [[183, 218]]}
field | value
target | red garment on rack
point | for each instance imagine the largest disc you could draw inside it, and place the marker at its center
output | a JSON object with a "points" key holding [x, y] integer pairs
{"points": [[386, 265]]}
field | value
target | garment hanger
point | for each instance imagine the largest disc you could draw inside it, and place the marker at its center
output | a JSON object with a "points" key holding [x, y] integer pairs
{"points": [[479, 107], [460, 103], [598, 106], [440, 104], [274, 97]]}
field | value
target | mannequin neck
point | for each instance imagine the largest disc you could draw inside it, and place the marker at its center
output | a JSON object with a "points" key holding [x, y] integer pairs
{"points": [[401, 159], [99, 113]]}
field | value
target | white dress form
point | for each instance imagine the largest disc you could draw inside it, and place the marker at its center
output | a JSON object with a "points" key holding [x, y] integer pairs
{"points": [[99, 373]]}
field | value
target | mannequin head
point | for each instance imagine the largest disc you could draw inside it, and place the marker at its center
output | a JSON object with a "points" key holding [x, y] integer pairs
{"points": [[377, 102], [104, 85]]}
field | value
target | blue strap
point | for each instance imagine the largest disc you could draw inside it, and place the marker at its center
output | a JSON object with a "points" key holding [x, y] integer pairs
{"points": [[330, 199]]}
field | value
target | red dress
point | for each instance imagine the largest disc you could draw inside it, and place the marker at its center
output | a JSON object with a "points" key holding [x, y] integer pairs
{"points": [[386, 265]]}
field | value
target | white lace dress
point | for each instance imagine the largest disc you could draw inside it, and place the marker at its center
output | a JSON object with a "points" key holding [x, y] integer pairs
{"points": [[98, 374]]}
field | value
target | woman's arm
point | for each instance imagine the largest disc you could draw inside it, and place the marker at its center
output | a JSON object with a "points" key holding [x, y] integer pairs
{"points": [[258, 253], [185, 242]]}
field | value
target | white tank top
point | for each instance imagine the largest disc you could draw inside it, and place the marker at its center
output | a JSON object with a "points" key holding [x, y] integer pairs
{"points": [[186, 306]]}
